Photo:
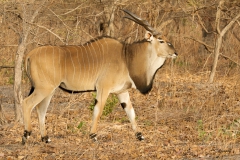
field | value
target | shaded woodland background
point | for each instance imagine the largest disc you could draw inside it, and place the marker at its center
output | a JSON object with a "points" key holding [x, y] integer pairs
{"points": [[191, 30], [184, 117]]}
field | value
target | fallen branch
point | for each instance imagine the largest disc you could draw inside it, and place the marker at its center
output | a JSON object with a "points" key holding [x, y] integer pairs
{"points": [[6, 67]]}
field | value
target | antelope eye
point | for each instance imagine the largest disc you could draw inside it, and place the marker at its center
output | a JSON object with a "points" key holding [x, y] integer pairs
{"points": [[169, 44], [161, 41]]}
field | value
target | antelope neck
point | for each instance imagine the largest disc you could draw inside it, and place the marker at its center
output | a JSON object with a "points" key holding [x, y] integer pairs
{"points": [[142, 64]]}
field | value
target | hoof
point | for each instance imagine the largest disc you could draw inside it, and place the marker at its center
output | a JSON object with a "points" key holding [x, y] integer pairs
{"points": [[46, 139], [26, 135], [93, 136], [24, 139], [139, 136]]}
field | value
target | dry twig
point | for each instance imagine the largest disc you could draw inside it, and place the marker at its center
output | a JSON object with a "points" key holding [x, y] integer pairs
{"points": [[49, 30], [208, 47]]}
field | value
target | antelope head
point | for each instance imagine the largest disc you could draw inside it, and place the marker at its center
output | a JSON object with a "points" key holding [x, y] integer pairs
{"points": [[161, 45]]}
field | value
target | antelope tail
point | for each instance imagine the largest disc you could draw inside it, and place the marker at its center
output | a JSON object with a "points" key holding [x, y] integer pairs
{"points": [[27, 64]]}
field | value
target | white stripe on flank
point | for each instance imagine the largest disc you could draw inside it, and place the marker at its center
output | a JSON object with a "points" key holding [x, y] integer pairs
{"points": [[79, 64], [86, 67], [81, 78], [94, 73], [53, 68], [40, 49], [107, 51], [98, 58], [65, 73], [47, 77], [89, 64], [46, 61], [59, 63], [70, 54]]}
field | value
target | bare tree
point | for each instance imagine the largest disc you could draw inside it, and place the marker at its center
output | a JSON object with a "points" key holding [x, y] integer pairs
{"points": [[107, 26], [220, 35], [26, 17]]}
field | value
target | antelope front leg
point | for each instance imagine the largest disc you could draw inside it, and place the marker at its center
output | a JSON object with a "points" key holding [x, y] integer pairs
{"points": [[127, 106], [97, 112]]}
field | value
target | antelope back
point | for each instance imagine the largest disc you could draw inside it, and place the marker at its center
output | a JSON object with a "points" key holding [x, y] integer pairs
{"points": [[74, 67]]}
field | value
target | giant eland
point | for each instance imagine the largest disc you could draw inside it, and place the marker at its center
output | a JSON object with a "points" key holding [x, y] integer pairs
{"points": [[104, 65]]}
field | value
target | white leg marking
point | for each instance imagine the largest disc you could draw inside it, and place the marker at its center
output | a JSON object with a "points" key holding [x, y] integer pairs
{"points": [[96, 111], [131, 115], [124, 98]]}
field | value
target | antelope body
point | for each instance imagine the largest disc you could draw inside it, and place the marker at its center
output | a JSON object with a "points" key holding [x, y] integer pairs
{"points": [[104, 65]]}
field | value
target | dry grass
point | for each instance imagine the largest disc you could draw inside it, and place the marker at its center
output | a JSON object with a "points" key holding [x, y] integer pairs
{"points": [[181, 118]]}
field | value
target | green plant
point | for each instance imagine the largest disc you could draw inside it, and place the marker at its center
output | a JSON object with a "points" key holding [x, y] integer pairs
{"points": [[109, 106], [82, 127], [11, 80], [201, 132], [148, 123], [122, 120]]}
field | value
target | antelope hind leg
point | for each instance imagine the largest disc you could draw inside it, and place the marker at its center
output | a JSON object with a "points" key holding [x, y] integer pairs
{"points": [[28, 104], [41, 111]]}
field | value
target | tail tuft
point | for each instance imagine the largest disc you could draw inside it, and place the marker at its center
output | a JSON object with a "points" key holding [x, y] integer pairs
{"points": [[31, 91]]}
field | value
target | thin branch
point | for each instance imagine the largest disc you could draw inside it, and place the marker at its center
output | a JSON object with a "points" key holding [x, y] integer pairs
{"points": [[72, 10], [6, 67], [206, 61], [229, 59], [36, 11], [208, 47], [9, 45], [16, 31], [201, 23], [229, 25], [238, 22], [43, 27], [164, 24], [235, 35], [218, 16], [60, 19]]}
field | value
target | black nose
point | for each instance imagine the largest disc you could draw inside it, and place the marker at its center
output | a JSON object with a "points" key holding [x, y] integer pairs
{"points": [[176, 53]]}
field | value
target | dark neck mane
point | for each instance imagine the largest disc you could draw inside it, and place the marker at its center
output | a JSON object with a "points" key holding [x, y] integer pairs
{"points": [[138, 62]]}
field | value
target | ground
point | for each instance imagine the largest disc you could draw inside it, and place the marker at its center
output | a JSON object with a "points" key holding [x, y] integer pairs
{"points": [[183, 117]]}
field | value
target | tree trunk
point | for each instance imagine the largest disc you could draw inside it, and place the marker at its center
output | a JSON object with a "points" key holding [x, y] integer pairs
{"points": [[26, 17], [17, 81], [2, 117], [107, 26], [218, 44]]}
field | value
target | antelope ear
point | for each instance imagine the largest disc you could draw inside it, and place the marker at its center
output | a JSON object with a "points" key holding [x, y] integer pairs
{"points": [[148, 36]]}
